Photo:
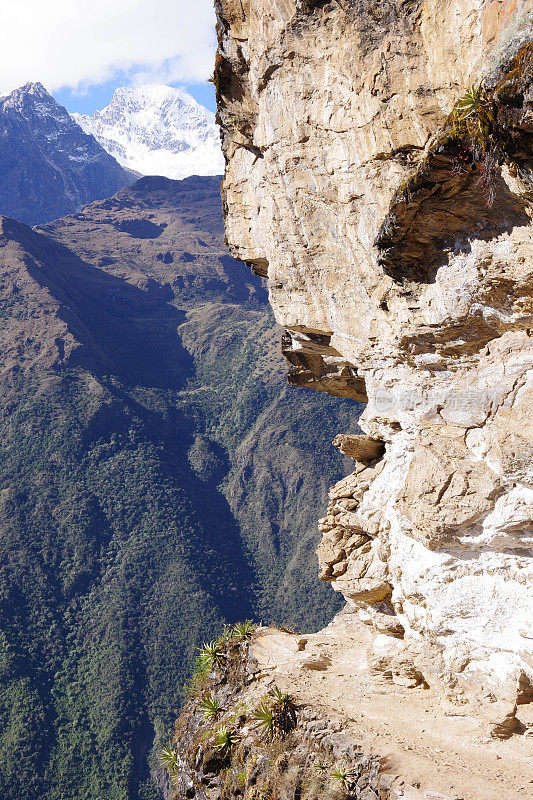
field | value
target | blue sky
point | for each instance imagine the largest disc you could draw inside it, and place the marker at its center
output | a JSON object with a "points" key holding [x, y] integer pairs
{"points": [[81, 50]]}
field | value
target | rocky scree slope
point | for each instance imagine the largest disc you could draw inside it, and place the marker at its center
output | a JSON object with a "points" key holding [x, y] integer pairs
{"points": [[147, 480], [386, 196], [49, 166], [157, 130]]}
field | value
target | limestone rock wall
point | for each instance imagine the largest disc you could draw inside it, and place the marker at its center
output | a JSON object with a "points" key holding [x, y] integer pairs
{"points": [[403, 280]]}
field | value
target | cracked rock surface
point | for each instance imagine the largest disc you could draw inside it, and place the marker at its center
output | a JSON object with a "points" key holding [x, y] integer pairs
{"points": [[328, 110]]}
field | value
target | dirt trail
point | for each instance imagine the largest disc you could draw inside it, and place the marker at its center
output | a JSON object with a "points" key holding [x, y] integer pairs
{"points": [[438, 749]]}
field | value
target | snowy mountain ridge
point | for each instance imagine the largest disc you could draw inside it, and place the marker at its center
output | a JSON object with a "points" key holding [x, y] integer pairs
{"points": [[50, 167], [157, 130]]}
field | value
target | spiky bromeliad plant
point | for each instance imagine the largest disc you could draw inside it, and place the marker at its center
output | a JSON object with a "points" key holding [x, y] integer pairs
{"points": [[243, 631], [345, 779], [473, 118], [472, 125], [169, 759], [276, 714], [340, 777], [210, 707], [225, 740], [264, 718], [284, 710], [211, 655]]}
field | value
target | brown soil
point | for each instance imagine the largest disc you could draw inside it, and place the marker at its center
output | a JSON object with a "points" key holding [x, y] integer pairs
{"points": [[438, 748]]}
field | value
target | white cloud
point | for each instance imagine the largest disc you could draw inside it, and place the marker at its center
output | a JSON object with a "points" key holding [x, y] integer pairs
{"points": [[77, 43]]}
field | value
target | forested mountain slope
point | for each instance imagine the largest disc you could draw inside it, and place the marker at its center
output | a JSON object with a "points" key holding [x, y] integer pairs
{"points": [[157, 477]]}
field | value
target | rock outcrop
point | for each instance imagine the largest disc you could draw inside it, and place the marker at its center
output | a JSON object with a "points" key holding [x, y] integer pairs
{"points": [[365, 726], [390, 207]]}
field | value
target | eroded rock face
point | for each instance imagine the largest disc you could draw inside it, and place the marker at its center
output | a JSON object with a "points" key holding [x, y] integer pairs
{"points": [[402, 278]]}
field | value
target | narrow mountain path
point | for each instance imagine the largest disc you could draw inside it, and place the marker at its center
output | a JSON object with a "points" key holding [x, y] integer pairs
{"points": [[437, 748]]}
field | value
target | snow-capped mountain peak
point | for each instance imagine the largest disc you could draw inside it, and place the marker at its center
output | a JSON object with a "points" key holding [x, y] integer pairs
{"points": [[49, 166], [157, 130]]}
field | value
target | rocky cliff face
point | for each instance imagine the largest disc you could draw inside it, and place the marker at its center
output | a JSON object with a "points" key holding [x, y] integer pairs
{"points": [[390, 207]]}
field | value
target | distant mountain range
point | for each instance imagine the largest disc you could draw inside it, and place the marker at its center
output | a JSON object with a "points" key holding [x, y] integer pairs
{"points": [[53, 164], [157, 130], [48, 166]]}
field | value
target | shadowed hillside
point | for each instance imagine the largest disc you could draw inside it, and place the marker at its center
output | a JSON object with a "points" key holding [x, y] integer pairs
{"points": [[153, 480]]}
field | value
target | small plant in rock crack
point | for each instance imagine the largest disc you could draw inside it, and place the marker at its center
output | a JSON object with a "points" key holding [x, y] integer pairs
{"points": [[473, 116], [286, 628], [487, 163], [211, 655], [243, 631], [224, 740], [461, 161], [340, 777], [487, 173], [472, 125], [470, 103], [169, 759], [284, 710], [210, 707], [345, 779]]}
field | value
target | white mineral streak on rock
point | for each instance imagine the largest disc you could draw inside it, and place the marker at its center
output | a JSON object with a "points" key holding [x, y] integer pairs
{"points": [[326, 112]]}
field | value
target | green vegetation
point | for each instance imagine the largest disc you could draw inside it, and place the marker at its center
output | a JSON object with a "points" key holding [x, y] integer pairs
{"points": [[210, 707], [105, 592], [242, 631], [479, 121], [481, 132], [284, 711], [117, 561], [141, 512], [258, 750], [197, 682], [240, 386], [169, 760], [264, 717], [276, 714], [224, 740], [339, 777], [473, 116], [211, 655]]}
